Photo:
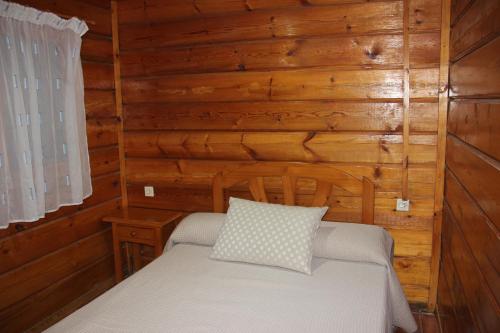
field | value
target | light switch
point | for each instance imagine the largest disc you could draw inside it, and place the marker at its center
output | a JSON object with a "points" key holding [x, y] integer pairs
{"points": [[402, 205], [149, 191]]}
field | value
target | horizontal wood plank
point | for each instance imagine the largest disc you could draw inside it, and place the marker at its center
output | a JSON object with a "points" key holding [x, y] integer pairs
{"points": [[24, 314], [137, 11], [97, 48], [280, 85], [365, 51], [412, 243], [301, 146], [19, 249], [482, 236], [104, 188], [306, 21], [477, 123], [40, 274], [478, 297], [478, 174], [412, 271], [98, 75], [99, 103], [310, 115], [462, 313], [478, 24], [102, 132], [416, 294], [458, 7], [199, 174], [104, 160], [477, 73]]}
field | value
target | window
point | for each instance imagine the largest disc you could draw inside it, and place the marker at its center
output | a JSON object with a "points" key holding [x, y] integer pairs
{"points": [[44, 161]]}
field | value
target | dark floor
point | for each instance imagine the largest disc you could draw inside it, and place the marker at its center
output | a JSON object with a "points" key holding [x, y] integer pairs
{"points": [[427, 323]]}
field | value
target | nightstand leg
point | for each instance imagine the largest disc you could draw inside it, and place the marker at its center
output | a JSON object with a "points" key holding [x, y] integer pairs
{"points": [[118, 256]]}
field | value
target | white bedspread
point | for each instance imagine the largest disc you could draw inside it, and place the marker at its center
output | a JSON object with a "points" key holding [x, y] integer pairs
{"points": [[185, 291]]}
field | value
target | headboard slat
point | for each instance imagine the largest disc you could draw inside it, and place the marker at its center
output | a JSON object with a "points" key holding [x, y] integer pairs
{"points": [[322, 194], [289, 183], [256, 185], [325, 176]]}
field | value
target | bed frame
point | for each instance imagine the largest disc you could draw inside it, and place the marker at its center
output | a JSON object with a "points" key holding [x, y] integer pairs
{"points": [[326, 177]]}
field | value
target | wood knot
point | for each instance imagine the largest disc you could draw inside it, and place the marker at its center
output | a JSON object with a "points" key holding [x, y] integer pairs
{"points": [[373, 52]]}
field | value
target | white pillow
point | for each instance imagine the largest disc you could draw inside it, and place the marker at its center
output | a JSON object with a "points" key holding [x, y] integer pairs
{"points": [[268, 234], [197, 228], [353, 242]]}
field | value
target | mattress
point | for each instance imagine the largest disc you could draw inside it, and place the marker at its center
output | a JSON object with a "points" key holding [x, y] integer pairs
{"points": [[185, 291]]}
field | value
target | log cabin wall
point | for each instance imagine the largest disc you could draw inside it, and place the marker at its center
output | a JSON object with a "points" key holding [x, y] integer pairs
{"points": [[51, 267], [211, 84], [469, 283]]}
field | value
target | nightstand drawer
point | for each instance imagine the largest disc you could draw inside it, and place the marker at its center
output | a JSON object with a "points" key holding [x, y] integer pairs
{"points": [[132, 233]]}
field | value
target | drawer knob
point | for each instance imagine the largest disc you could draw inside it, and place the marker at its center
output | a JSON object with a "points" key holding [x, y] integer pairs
{"points": [[133, 233]]}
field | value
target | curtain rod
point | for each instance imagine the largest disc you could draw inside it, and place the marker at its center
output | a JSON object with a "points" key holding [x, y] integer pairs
{"points": [[64, 15], [69, 16]]}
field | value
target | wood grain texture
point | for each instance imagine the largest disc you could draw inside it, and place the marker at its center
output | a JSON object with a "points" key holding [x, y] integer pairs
{"points": [[46, 266], [210, 86], [99, 103], [305, 84], [280, 115], [477, 73], [37, 275], [443, 95], [361, 51], [468, 293], [305, 21], [138, 11], [478, 297], [477, 123], [479, 174], [482, 235], [301, 146], [96, 48], [97, 75], [44, 304], [474, 28]]}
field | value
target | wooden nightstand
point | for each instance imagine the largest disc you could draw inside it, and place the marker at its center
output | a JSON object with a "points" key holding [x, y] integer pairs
{"points": [[136, 227]]}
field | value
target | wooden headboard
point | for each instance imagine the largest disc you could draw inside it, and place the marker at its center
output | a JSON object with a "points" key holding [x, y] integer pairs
{"points": [[326, 178]]}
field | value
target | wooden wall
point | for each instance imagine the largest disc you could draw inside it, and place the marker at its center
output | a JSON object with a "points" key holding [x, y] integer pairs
{"points": [[212, 84], [49, 268], [469, 282]]}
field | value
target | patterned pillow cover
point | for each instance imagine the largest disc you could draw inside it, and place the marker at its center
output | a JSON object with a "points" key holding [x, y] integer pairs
{"points": [[269, 234]]}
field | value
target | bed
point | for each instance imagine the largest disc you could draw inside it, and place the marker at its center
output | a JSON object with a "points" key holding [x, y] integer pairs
{"points": [[352, 288]]}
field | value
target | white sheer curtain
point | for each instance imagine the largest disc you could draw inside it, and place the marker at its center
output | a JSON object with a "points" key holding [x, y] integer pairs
{"points": [[44, 162]]}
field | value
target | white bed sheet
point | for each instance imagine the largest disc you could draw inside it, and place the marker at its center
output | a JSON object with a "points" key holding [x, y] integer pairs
{"points": [[185, 291]]}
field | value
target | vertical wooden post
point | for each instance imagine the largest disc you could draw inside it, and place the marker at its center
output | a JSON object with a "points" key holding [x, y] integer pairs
{"points": [[368, 203], [117, 253], [118, 100], [406, 97], [218, 193], [441, 152]]}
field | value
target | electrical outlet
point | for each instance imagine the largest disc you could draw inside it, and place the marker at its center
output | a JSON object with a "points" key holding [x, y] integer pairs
{"points": [[149, 191], [402, 205]]}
